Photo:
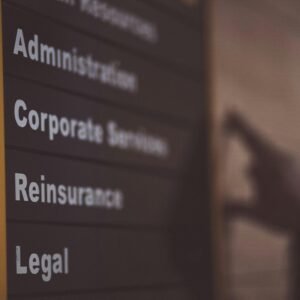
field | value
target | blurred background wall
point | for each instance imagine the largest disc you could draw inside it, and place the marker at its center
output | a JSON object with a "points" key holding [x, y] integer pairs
{"points": [[257, 71]]}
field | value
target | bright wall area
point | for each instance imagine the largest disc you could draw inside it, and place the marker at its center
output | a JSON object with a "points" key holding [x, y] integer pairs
{"points": [[257, 72]]}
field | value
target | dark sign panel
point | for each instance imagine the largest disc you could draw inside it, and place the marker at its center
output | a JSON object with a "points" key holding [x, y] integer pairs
{"points": [[132, 23], [107, 169], [71, 61]]}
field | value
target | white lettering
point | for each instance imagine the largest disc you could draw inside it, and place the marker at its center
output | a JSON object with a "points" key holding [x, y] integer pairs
{"points": [[20, 187], [20, 45], [53, 125], [60, 194], [46, 265], [138, 141], [21, 270], [107, 73], [21, 122], [121, 19]]}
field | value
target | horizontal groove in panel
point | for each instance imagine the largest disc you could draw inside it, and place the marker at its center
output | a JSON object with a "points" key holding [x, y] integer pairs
{"points": [[189, 12], [147, 293], [93, 259], [70, 125], [74, 192], [157, 117]]}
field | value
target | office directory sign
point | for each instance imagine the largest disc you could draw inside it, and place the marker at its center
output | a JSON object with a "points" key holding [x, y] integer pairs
{"points": [[104, 151]]}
